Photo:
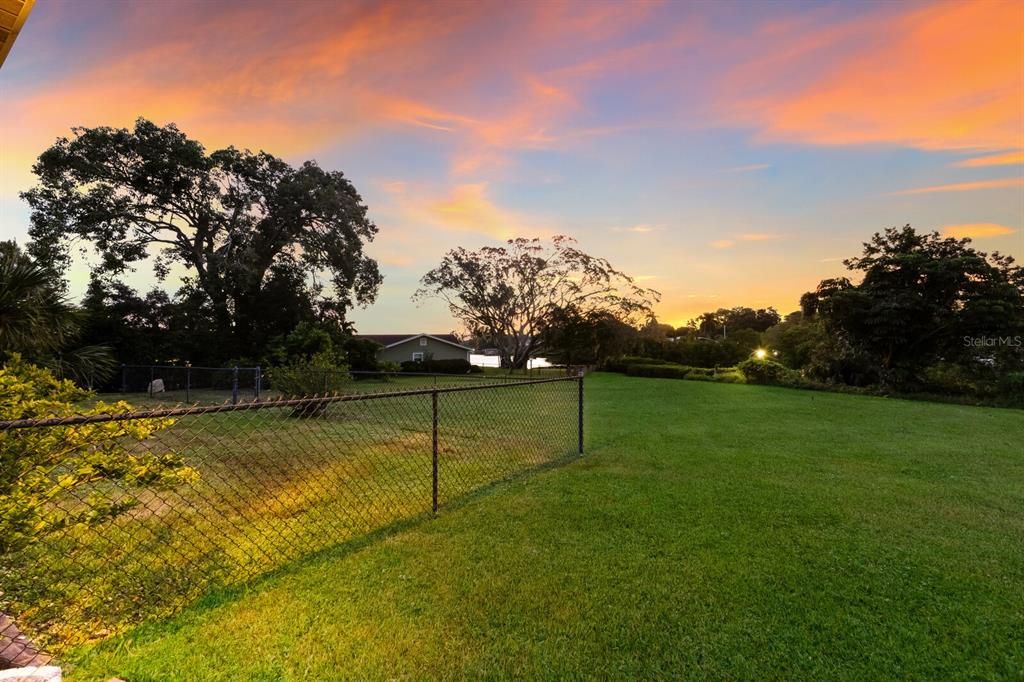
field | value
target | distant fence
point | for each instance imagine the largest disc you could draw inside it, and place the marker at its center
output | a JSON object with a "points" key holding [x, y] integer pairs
{"points": [[269, 482], [188, 384]]}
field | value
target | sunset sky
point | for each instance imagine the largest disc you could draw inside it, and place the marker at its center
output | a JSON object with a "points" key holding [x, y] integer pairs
{"points": [[724, 153]]}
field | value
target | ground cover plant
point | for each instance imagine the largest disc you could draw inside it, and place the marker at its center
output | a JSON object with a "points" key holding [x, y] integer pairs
{"points": [[722, 531]]}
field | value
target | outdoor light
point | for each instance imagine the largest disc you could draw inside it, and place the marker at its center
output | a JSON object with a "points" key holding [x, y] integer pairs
{"points": [[760, 353]]}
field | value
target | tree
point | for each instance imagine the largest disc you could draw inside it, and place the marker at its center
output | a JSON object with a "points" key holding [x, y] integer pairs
{"points": [[795, 339], [510, 295], [591, 339], [724, 321], [239, 222], [37, 321], [920, 297], [34, 315]]}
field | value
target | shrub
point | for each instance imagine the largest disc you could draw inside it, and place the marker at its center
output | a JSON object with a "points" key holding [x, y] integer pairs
{"points": [[318, 376], [670, 371], [621, 364], [765, 372], [663, 371], [949, 379], [1011, 385], [361, 355], [705, 353], [46, 474], [452, 366]]}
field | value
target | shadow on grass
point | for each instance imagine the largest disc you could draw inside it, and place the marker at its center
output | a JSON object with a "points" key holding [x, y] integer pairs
{"points": [[219, 597]]}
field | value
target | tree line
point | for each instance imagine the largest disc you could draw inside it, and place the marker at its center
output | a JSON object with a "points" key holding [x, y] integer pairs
{"points": [[271, 260]]}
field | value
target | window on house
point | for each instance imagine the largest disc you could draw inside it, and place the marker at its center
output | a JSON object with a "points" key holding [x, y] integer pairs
{"points": [[423, 341], [417, 357]]}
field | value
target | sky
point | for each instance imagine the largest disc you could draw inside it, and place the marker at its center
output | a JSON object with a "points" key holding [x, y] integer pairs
{"points": [[723, 153]]}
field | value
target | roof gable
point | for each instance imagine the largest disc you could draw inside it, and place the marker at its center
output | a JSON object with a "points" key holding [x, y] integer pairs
{"points": [[391, 340]]}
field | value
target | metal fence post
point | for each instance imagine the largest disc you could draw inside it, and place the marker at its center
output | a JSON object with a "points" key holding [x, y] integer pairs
{"points": [[580, 400], [124, 378], [151, 379], [234, 386], [433, 400], [188, 382], [259, 378]]}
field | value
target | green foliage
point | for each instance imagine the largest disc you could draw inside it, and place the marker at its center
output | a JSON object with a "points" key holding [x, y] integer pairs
{"points": [[34, 314], [361, 355], [306, 343], [725, 322], [321, 374], [920, 296], [765, 372], [1011, 386], [430, 365], [46, 475], [37, 322], [591, 338], [255, 234], [673, 371], [796, 340], [700, 353]]}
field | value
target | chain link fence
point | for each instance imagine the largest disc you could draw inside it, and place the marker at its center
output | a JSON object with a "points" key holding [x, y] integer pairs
{"points": [[170, 384], [270, 481], [185, 383]]}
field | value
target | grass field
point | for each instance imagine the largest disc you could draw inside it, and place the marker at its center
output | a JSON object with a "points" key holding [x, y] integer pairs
{"points": [[723, 531], [271, 488]]}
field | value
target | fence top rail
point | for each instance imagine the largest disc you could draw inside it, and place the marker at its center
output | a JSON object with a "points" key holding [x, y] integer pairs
{"points": [[158, 413], [225, 369], [400, 373]]}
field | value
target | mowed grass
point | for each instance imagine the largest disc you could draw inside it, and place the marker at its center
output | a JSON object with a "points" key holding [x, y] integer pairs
{"points": [[271, 488], [722, 531]]}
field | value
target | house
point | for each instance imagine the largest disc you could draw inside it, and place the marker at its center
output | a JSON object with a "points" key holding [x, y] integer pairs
{"points": [[418, 347]]}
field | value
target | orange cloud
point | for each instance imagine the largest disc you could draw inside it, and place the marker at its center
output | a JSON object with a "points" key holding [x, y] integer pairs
{"points": [[464, 208], [468, 209], [723, 243], [758, 237], [965, 186], [948, 76], [977, 230], [1006, 159]]}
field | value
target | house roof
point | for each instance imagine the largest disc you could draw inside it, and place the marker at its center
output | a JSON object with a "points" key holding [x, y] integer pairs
{"points": [[390, 340], [13, 14]]}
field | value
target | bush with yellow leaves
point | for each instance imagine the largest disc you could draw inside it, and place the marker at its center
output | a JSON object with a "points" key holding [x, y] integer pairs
{"points": [[51, 478]]}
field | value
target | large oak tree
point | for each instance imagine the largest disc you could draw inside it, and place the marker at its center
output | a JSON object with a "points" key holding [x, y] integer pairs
{"points": [[237, 221], [511, 295]]}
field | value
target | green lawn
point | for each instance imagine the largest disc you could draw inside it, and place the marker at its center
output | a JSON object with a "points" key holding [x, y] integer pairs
{"points": [[723, 531], [272, 488]]}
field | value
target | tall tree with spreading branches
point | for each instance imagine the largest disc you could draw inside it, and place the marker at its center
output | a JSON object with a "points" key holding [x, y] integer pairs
{"points": [[510, 295], [236, 220]]}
